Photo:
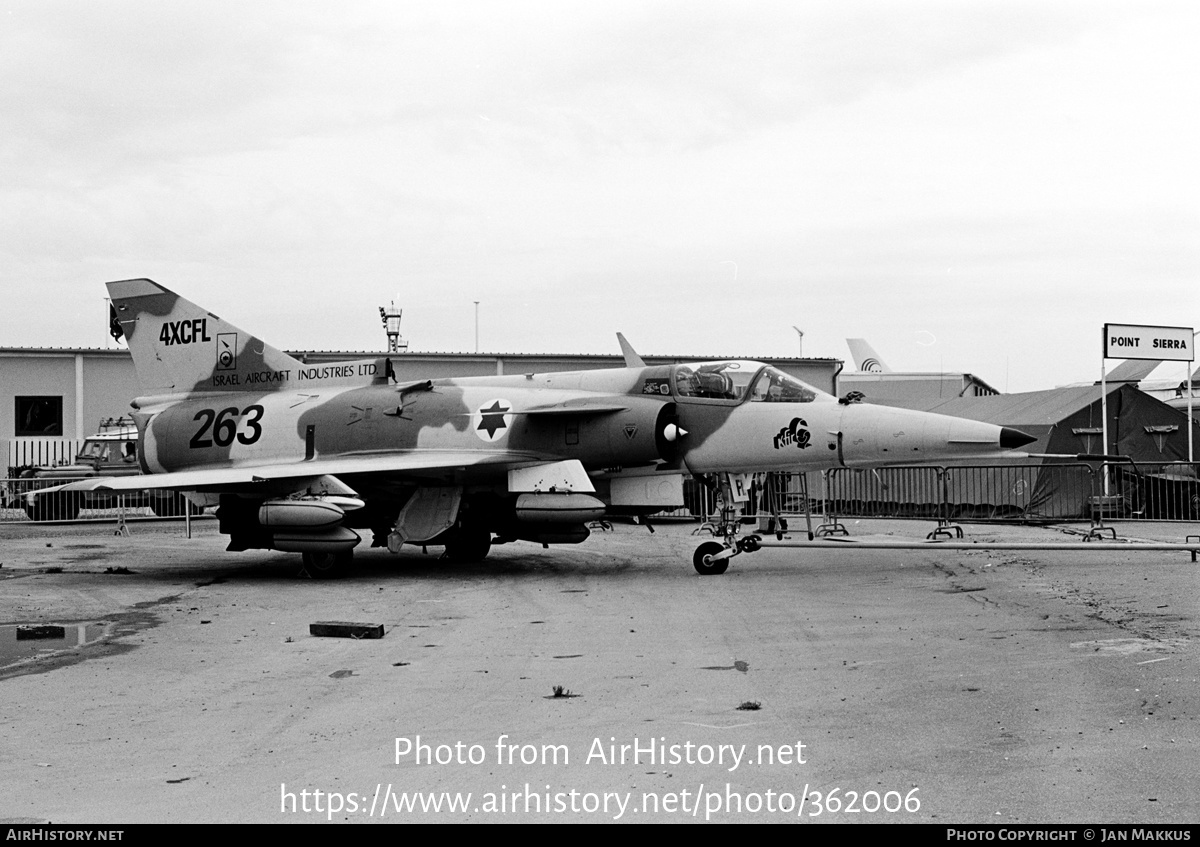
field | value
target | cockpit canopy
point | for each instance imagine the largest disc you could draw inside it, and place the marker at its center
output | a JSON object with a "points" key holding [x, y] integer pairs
{"points": [[738, 379]]}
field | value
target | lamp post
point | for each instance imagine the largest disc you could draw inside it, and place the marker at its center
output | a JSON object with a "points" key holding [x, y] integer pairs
{"points": [[1191, 423], [476, 326]]}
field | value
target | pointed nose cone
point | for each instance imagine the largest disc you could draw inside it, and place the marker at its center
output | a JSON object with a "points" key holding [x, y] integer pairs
{"points": [[1011, 439]]}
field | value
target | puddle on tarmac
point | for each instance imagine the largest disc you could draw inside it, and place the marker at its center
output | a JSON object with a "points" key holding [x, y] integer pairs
{"points": [[26, 641]]}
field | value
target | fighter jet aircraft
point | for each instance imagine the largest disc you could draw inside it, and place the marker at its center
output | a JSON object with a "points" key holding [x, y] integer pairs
{"points": [[301, 458]]}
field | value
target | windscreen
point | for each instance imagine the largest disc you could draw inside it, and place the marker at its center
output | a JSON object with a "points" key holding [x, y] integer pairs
{"points": [[774, 386]]}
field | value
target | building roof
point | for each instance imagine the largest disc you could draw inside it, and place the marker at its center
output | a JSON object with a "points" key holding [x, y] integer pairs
{"points": [[419, 354]]}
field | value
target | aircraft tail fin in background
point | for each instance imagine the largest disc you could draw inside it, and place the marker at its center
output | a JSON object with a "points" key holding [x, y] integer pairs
{"points": [[1133, 370], [865, 357], [179, 347], [632, 359]]}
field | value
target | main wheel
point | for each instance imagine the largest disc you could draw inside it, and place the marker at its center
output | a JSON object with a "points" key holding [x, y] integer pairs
{"points": [[327, 565], [709, 548], [468, 544]]}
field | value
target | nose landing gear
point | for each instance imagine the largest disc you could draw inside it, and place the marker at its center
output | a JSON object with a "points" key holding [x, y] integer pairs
{"points": [[712, 557]]}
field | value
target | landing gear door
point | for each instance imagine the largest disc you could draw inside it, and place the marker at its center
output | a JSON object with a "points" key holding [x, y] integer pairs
{"points": [[739, 487], [427, 514]]}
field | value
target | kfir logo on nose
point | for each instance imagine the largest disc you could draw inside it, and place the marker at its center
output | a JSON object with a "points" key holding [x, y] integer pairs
{"points": [[794, 434]]}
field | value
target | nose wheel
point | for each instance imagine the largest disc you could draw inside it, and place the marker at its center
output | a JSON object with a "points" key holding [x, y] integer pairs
{"points": [[704, 559]]}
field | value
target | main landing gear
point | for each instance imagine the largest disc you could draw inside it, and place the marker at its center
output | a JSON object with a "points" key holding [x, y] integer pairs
{"points": [[712, 557], [328, 565], [468, 544]]}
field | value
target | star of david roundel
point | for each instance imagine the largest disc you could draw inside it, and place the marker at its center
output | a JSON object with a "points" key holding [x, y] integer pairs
{"points": [[492, 420]]}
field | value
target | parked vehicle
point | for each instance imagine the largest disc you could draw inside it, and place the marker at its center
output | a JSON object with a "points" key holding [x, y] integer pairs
{"points": [[112, 451]]}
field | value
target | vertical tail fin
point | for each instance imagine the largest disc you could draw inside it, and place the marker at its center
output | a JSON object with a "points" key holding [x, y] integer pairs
{"points": [[178, 347], [632, 359], [865, 357]]}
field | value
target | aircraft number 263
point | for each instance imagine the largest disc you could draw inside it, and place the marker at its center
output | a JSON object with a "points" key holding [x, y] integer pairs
{"points": [[224, 427]]}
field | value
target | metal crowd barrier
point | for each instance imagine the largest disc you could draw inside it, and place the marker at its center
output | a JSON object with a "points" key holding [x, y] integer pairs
{"points": [[1168, 492], [1075, 491], [83, 506], [1045, 493]]}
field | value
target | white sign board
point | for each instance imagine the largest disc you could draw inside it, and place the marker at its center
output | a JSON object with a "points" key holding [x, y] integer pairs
{"points": [[1169, 343]]}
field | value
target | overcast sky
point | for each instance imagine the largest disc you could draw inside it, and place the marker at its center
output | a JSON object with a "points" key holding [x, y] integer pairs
{"points": [[971, 186]]}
